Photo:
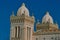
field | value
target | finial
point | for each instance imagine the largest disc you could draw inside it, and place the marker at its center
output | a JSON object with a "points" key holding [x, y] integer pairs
{"points": [[32, 14], [56, 22], [38, 21], [12, 13], [47, 13], [23, 4]]}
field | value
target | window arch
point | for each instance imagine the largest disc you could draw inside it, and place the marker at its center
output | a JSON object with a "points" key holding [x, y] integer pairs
{"points": [[36, 38], [17, 31], [28, 33]]}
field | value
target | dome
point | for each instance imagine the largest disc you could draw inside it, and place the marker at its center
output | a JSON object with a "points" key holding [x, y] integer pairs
{"points": [[47, 18], [12, 13], [23, 10]]}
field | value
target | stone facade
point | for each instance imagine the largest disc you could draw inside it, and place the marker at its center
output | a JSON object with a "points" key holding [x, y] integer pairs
{"points": [[22, 26], [47, 30]]}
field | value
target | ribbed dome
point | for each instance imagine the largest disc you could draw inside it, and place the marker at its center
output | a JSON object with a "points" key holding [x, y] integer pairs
{"points": [[23, 10], [47, 18]]}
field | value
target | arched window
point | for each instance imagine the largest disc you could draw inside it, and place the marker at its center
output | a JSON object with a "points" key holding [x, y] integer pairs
{"points": [[36, 38], [28, 33], [44, 38], [15, 31], [18, 31]]}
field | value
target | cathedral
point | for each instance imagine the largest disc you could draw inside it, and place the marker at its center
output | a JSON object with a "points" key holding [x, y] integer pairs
{"points": [[22, 26]]}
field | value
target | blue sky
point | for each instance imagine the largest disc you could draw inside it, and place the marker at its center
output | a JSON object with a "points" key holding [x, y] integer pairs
{"points": [[37, 7]]}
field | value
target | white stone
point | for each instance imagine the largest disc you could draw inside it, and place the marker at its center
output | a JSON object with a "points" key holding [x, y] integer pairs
{"points": [[47, 18], [23, 10]]}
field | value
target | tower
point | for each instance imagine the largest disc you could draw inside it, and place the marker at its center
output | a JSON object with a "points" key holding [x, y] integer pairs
{"points": [[47, 23], [22, 24]]}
